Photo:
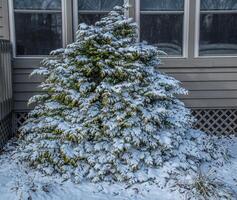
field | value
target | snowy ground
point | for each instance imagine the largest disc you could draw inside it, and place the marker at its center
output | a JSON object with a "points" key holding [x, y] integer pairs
{"points": [[18, 182]]}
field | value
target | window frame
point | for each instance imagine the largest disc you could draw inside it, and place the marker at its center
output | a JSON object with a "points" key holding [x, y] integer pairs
{"points": [[190, 58], [75, 18], [13, 31], [197, 32], [185, 43]]}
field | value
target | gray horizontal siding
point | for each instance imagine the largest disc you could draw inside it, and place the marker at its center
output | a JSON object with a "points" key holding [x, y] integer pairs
{"points": [[210, 87]]}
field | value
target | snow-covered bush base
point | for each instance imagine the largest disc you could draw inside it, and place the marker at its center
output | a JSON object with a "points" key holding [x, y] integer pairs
{"points": [[195, 150], [19, 182]]}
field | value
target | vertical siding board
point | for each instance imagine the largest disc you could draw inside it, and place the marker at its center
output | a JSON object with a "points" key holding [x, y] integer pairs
{"points": [[4, 20], [5, 92], [5, 79], [1, 20]]}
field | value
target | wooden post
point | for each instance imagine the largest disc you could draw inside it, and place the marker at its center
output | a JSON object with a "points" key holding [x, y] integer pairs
{"points": [[5, 91]]}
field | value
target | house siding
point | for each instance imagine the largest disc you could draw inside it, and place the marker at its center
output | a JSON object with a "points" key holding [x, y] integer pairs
{"points": [[1, 20], [209, 87], [4, 22]]}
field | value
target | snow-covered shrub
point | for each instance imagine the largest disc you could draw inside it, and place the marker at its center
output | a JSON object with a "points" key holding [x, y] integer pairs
{"points": [[204, 187], [107, 113]]}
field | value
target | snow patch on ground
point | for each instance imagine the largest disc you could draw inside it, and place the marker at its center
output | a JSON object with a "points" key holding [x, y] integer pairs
{"points": [[18, 182], [228, 173]]}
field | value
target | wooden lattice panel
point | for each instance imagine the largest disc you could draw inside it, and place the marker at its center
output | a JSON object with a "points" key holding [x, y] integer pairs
{"points": [[19, 119], [212, 121], [216, 121], [5, 130]]}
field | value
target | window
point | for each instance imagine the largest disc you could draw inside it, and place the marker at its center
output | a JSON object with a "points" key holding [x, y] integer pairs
{"points": [[162, 24], [90, 11], [38, 26], [218, 27]]}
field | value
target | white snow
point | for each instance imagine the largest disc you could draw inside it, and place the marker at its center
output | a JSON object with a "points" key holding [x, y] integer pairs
{"points": [[18, 182]]}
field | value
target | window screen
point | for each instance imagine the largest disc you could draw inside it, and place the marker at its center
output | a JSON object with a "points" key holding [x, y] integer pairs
{"points": [[218, 27], [90, 11], [162, 24], [38, 26]]}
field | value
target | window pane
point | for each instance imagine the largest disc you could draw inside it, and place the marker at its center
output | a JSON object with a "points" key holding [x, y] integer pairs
{"points": [[150, 5], [90, 19], [38, 34], [38, 4], [218, 34], [164, 30], [218, 4], [104, 5]]}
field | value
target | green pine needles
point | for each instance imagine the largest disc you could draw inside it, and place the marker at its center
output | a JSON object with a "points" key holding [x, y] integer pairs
{"points": [[107, 113]]}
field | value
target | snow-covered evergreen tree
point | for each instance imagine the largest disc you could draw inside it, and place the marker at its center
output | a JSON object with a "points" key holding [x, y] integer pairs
{"points": [[107, 113]]}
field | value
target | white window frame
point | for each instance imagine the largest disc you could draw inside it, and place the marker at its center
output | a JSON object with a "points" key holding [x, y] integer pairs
{"points": [[197, 33], [75, 18], [185, 26], [13, 33]]}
